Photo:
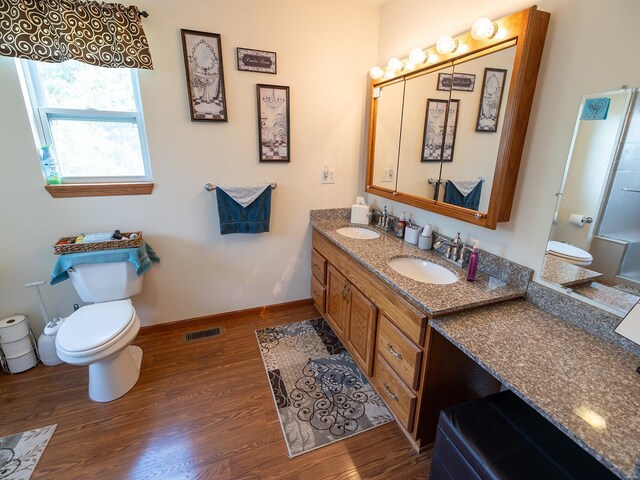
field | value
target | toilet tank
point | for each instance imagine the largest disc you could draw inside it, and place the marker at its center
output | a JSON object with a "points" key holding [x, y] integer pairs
{"points": [[104, 282]]}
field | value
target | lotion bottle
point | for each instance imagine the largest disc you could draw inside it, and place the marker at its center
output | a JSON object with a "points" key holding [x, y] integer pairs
{"points": [[402, 222], [473, 262]]}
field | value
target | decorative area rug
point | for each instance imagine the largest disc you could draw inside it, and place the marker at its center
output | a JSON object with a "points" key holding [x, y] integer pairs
{"points": [[19, 454], [320, 394]]}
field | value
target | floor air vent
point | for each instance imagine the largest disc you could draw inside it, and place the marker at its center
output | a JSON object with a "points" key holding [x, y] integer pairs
{"points": [[200, 334]]}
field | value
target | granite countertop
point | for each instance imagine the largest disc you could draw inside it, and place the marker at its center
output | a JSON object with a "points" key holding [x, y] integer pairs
{"points": [[436, 300], [608, 295], [584, 385], [566, 274]]}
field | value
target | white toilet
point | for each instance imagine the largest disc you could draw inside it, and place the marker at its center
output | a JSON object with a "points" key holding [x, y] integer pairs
{"points": [[569, 253], [100, 335]]}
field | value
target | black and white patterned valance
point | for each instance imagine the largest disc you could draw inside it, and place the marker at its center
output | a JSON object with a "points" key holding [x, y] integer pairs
{"points": [[102, 34]]}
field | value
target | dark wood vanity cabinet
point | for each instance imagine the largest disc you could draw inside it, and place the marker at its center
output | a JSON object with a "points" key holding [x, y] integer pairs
{"points": [[391, 341]]}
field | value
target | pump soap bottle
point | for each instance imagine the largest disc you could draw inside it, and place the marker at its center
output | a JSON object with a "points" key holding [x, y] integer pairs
{"points": [[473, 262]]}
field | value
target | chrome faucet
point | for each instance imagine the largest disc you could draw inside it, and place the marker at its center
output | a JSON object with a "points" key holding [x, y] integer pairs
{"points": [[382, 219], [455, 249]]}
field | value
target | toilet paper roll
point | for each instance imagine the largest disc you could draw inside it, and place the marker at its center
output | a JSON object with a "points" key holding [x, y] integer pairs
{"points": [[577, 220]]}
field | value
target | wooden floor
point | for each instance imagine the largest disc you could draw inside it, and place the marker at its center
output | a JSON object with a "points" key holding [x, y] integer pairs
{"points": [[201, 410]]}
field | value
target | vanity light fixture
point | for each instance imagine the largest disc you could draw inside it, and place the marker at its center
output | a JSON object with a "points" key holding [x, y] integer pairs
{"points": [[376, 73], [483, 29], [394, 65], [417, 55], [446, 44]]}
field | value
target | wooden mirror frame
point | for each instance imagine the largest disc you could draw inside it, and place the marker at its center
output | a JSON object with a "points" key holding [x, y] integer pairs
{"points": [[526, 29]]}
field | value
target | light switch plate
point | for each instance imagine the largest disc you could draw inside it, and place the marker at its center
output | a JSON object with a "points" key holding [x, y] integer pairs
{"points": [[387, 174], [328, 175]]}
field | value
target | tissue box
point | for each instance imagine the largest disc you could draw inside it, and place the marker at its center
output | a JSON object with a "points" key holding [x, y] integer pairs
{"points": [[360, 214]]}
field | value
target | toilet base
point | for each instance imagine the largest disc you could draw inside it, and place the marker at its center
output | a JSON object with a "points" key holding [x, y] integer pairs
{"points": [[112, 377]]}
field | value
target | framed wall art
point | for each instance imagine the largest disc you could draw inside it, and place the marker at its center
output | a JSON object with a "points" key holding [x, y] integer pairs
{"points": [[261, 61], [205, 76], [273, 123], [490, 99], [461, 82], [438, 142]]}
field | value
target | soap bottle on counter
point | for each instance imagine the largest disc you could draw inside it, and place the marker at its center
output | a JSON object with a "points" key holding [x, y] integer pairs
{"points": [[402, 222], [473, 262]]}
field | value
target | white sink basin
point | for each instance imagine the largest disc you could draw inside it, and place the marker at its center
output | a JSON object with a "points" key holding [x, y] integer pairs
{"points": [[422, 270], [358, 233]]}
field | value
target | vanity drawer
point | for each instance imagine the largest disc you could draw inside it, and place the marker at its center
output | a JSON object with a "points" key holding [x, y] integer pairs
{"points": [[318, 293], [319, 267], [400, 398], [399, 352]]}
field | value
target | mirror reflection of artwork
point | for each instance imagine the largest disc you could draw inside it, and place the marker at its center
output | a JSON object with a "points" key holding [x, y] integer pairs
{"points": [[273, 118], [491, 99], [438, 143], [594, 242], [205, 77]]}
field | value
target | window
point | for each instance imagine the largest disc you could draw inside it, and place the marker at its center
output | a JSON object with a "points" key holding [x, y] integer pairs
{"points": [[93, 118]]}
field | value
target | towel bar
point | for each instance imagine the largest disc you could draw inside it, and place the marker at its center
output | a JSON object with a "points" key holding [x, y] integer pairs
{"points": [[210, 187], [431, 181]]}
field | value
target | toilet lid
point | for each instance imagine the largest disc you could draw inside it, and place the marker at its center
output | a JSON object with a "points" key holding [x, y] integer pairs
{"points": [[94, 325], [568, 251]]}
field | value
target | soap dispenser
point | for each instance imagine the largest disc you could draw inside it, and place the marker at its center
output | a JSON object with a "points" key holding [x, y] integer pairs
{"points": [[473, 262]]}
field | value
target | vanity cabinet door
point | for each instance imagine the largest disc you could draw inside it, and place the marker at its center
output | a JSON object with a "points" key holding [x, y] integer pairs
{"points": [[361, 328], [337, 305]]}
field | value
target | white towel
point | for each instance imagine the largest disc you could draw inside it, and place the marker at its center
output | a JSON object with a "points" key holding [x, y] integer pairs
{"points": [[465, 187], [244, 194]]}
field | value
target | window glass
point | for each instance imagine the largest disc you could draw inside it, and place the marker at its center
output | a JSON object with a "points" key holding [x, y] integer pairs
{"points": [[88, 148], [77, 85], [92, 118]]}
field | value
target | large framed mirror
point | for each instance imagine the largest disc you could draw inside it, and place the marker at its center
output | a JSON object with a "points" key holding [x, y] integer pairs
{"points": [[463, 119], [427, 119], [593, 251]]}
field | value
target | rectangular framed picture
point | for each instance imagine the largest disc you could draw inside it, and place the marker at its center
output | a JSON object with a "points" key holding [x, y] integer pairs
{"points": [[250, 60], [438, 142], [490, 99], [461, 82], [205, 76], [273, 123]]}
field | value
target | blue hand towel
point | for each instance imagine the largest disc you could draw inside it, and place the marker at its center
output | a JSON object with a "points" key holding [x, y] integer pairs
{"points": [[453, 196], [142, 257], [234, 218]]}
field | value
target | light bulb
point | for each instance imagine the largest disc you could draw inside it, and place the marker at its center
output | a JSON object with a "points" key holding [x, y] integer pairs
{"points": [[394, 65], [376, 73], [446, 44], [417, 56], [483, 28], [409, 66]]}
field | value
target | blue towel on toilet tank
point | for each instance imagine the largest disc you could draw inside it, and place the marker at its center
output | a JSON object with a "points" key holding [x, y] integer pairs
{"points": [[142, 257], [252, 218], [453, 196]]}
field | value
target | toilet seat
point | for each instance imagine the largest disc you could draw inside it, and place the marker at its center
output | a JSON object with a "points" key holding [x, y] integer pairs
{"points": [[569, 253], [95, 328]]}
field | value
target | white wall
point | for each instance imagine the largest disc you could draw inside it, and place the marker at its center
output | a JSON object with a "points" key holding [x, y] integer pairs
{"points": [[590, 47], [324, 51]]}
